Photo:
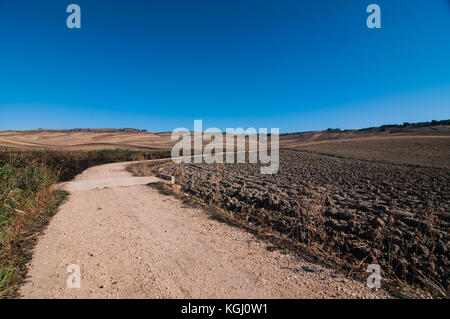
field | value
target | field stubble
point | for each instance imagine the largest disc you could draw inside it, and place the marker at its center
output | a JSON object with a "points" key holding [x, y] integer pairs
{"points": [[347, 211]]}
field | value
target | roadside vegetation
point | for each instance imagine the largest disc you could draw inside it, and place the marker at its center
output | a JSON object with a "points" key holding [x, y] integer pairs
{"points": [[29, 198]]}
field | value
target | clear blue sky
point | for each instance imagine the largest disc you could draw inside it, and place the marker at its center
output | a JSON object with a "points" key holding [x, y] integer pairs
{"points": [[296, 65]]}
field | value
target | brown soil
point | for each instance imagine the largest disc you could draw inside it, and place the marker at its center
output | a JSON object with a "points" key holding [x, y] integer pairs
{"points": [[357, 211], [411, 150], [133, 242]]}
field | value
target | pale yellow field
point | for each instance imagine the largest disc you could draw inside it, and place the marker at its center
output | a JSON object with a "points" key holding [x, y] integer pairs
{"points": [[83, 140], [89, 139]]}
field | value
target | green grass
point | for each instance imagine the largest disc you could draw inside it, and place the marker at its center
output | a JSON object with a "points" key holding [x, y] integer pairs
{"points": [[5, 277], [28, 199]]}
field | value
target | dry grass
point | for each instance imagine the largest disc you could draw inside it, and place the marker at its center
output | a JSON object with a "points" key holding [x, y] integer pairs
{"points": [[28, 200]]}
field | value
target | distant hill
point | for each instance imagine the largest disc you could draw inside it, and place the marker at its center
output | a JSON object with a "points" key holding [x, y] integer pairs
{"points": [[433, 128], [89, 130], [86, 139]]}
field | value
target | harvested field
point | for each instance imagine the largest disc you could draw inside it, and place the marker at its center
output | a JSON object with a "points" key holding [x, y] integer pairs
{"points": [[85, 139], [350, 211], [94, 139], [420, 151]]}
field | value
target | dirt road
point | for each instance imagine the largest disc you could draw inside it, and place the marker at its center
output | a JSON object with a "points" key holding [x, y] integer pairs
{"points": [[130, 241]]}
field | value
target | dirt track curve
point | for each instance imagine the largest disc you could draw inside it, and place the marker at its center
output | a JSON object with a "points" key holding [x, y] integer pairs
{"points": [[130, 241]]}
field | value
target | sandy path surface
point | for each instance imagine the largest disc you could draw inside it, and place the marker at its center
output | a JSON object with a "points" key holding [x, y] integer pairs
{"points": [[130, 241]]}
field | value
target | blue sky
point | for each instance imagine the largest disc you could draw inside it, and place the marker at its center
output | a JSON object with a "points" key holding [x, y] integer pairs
{"points": [[158, 65]]}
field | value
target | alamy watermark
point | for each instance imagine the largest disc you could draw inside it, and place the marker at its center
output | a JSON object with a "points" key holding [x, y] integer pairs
{"points": [[374, 279], [239, 144], [374, 19], [73, 21], [74, 279]]}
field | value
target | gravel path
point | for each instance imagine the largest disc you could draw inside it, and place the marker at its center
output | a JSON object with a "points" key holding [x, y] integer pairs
{"points": [[130, 241]]}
